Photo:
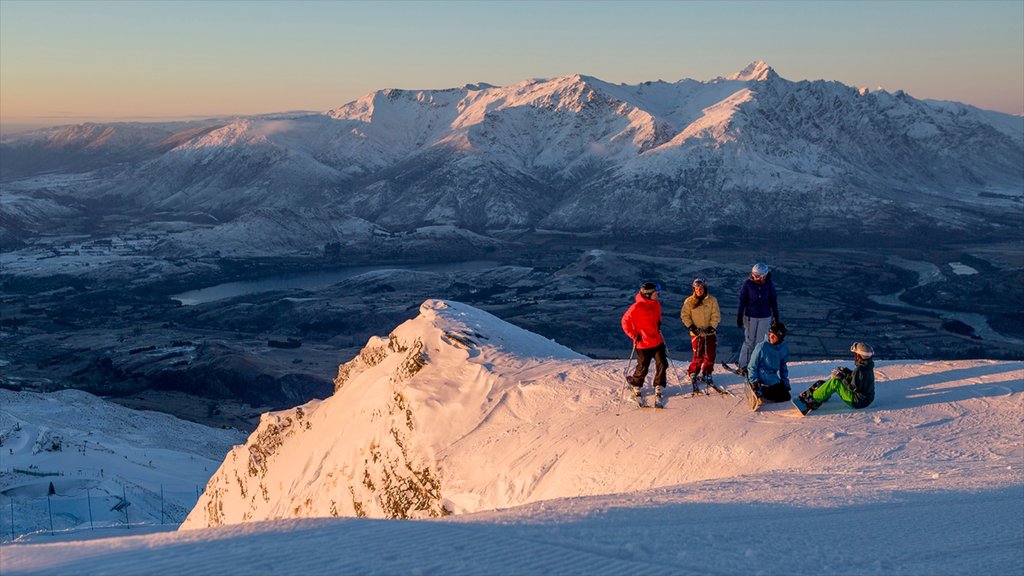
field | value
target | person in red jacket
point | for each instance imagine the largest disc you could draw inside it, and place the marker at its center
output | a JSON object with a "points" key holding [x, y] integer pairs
{"points": [[642, 323]]}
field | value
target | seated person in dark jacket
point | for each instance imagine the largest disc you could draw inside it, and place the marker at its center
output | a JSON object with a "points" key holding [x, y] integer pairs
{"points": [[856, 387], [767, 371]]}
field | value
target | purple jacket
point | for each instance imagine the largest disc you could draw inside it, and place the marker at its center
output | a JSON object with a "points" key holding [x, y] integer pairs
{"points": [[759, 300]]}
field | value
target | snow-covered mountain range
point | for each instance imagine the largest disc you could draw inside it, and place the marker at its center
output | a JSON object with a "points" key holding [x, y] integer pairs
{"points": [[458, 412], [751, 150]]}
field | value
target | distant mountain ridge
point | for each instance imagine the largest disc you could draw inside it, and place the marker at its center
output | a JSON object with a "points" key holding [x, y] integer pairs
{"points": [[752, 151]]}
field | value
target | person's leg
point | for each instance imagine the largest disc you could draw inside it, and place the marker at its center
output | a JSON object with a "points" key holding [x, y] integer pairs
{"points": [[829, 387], [660, 366], [708, 358], [775, 393], [753, 333], [694, 367], [748, 342], [643, 364]]}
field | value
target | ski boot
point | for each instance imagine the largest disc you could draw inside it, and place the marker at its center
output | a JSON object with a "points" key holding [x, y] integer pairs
{"points": [[709, 385], [694, 380], [638, 397], [659, 396]]}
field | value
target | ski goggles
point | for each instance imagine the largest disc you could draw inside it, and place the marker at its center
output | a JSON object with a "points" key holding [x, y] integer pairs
{"points": [[650, 287], [699, 283]]}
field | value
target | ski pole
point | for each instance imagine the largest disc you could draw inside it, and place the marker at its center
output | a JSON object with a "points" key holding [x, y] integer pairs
{"points": [[674, 371], [625, 373], [630, 361]]}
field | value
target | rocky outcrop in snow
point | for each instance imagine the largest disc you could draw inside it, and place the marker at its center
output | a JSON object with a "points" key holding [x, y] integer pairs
{"points": [[373, 448]]}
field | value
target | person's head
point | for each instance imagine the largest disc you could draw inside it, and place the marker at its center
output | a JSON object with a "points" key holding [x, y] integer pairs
{"points": [[861, 350], [650, 290], [777, 333], [700, 286], [759, 272]]}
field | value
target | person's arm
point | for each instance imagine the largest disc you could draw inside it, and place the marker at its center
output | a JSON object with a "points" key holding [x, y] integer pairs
{"points": [[716, 314], [627, 324], [686, 314], [773, 301], [743, 306]]}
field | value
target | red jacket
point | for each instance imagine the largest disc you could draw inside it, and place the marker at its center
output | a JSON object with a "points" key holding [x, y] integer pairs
{"points": [[643, 318]]}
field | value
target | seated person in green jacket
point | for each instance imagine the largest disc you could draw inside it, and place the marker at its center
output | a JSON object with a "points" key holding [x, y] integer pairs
{"points": [[856, 387]]}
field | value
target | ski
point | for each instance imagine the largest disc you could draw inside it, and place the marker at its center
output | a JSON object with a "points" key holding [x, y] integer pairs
{"points": [[721, 391], [735, 371]]}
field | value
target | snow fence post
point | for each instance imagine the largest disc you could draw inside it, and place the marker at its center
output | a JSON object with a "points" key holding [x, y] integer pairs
{"points": [[50, 508], [124, 493], [88, 495]]}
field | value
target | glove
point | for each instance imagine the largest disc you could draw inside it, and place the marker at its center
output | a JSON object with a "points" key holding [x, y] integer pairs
{"points": [[775, 319], [638, 338], [840, 372], [693, 329], [709, 330], [739, 320]]}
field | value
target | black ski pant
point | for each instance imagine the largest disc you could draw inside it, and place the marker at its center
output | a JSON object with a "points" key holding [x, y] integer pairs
{"points": [[774, 393], [643, 364]]}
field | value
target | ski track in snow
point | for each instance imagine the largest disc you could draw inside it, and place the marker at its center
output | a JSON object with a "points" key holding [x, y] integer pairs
{"points": [[553, 470]]}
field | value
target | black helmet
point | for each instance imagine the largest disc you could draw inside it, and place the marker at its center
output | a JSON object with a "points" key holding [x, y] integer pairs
{"points": [[779, 329], [699, 282], [648, 288]]}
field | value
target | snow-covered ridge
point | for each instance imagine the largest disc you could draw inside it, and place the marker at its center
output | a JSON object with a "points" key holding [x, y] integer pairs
{"points": [[457, 412], [93, 452], [371, 449]]}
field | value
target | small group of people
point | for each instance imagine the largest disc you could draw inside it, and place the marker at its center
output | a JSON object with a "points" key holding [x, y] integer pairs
{"points": [[762, 358]]}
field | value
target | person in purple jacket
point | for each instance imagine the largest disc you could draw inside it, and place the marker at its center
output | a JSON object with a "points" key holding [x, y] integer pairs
{"points": [[759, 309]]}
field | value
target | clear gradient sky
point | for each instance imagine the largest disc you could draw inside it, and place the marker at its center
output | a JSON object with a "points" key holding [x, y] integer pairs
{"points": [[65, 62]]}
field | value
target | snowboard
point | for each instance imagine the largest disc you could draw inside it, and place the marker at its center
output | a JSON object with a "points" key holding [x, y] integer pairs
{"points": [[800, 405], [753, 399]]}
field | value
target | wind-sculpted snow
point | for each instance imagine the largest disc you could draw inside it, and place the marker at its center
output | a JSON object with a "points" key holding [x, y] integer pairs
{"points": [[457, 412], [535, 462], [574, 153], [371, 449]]}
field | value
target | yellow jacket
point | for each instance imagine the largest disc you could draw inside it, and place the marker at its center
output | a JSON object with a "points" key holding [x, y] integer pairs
{"points": [[706, 315]]}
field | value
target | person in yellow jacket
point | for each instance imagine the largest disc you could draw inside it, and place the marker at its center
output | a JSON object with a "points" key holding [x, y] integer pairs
{"points": [[701, 315]]}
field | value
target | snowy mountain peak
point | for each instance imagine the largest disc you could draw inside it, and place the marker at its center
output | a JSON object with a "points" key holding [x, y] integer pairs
{"points": [[378, 446], [755, 72]]}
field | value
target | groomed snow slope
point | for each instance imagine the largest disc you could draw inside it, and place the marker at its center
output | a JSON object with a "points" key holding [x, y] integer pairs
{"points": [[550, 470]]}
